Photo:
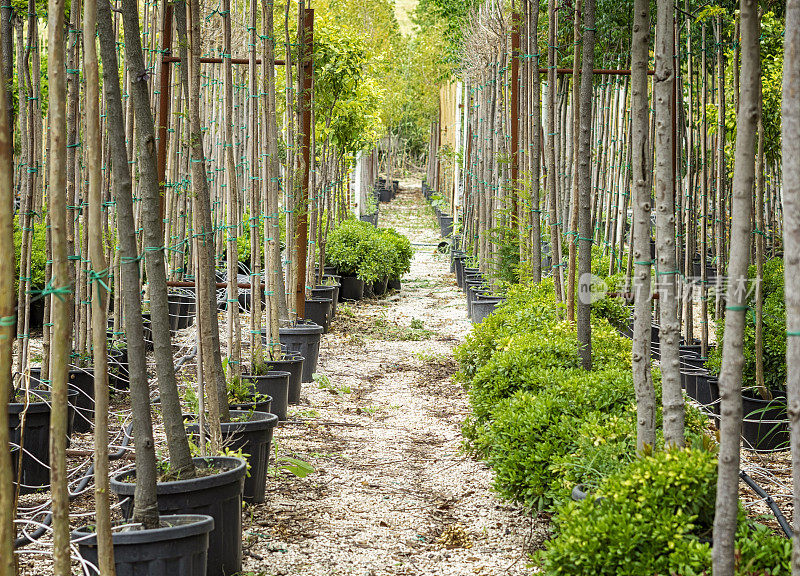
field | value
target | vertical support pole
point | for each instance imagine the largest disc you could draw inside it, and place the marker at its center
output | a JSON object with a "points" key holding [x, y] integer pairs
{"points": [[515, 56], [305, 149], [163, 107]]}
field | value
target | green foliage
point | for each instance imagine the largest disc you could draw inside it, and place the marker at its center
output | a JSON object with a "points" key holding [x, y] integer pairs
{"points": [[647, 520], [774, 319], [38, 252], [359, 249], [613, 310]]}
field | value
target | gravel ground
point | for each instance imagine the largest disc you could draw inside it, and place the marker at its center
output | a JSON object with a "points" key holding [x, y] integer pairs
{"points": [[392, 493]]}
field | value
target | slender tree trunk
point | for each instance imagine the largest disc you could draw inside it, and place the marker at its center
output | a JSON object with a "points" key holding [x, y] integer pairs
{"points": [[145, 506], [642, 208], [61, 290], [7, 321], [730, 380], [667, 270], [790, 114], [584, 178], [576, 169], [555, 231], [99, 278], [180, 456], [536, 143]]}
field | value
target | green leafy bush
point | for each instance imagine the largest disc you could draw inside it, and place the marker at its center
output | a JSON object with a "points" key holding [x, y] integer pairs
{"points": [[774, 316], [38, 252], [647, 520], [529, 432], [359, 249]]}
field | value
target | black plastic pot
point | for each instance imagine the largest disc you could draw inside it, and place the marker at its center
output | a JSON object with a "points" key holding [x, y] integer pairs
{"points": [[82, 382], [318, 311], [708, 391], [394, 284], [303, 338], [118, 372], [455, 255], [766, 426], [379, 286], [252, 434], [458, 265], [337, 288], [330, 270], [178, 547], [292, 363], [260, 406], [446, 226], [218, 495], [35, 465], [352, 289], [689, 381], [473, 294], [275, 384], [482, 307], [386, 194], [371, 218], [329, 292]]}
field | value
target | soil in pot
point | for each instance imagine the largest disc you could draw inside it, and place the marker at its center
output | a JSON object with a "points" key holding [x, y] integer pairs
{"points": [[766, 426], [250, 432], [352, 289], [217, 495], [80, 380], [35, 464], [276, 385], [178, 547], [303, 339]]}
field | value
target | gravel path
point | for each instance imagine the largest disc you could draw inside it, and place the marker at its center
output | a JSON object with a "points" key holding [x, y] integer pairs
{"points": [[391, 492]]}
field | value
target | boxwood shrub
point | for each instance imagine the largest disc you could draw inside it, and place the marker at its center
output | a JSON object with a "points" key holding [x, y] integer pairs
{"points": [[359, 249]]}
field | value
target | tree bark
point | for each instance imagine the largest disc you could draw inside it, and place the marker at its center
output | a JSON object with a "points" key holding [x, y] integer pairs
{"points": [[667, 270], [61, 287], [790, 114], [730, 379], [99, 279], [642, 208], [180, 456], [7, 322], [145, 505], [555, 231], [584, 178]]}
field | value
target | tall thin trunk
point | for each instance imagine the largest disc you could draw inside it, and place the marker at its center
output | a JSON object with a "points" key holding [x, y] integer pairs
{"points": [[576, 169], [535, 129], [642, 208], [178, 444], [584, 177], [99, 278], [145, 506], [667, 270], [61, 287], [555, 230], [730, 380], [7, 322], [790, 114]]}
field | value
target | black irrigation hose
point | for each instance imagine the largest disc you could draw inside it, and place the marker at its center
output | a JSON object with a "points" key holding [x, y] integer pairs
{"points": [[84, 481], [770, 502]]}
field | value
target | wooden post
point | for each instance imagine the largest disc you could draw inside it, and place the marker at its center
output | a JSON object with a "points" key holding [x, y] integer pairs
{"points": [[305, 150], [163, 106]]}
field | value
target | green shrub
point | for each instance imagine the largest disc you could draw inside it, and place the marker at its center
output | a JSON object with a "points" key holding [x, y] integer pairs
{"points": [[530, 432], [614, 310], [359, 249], [38, 252], [647, 520], [774, 318]]}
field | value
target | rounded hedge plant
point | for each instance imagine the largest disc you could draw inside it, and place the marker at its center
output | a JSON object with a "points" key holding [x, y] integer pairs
{"points": [[359, 249]]}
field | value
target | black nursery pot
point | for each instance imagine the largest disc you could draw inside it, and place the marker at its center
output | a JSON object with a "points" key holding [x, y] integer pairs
{"points": [[218, 495], [446, 226], [276, 385], [394, 284], [708, 391], [482, 307], [250, 432], [82, 382], [35, 465], [318, 311], [179, 546], [352, 289], [260, 406], [118, 371], [329, 292], [766, 426], [292, 363], [379, 286], [303, 338]]}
